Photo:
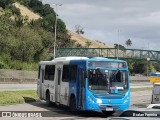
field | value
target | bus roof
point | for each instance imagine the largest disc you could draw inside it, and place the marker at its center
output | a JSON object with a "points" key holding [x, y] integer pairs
{"points": [[63, 59], [105, 59], [70, 58]]}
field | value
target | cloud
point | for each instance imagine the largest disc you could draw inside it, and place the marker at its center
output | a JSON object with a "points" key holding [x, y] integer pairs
{"points": [[138, 20]]}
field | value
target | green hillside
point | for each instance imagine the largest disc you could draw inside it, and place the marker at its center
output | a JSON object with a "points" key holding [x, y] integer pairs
{"points": [[24, 42]]}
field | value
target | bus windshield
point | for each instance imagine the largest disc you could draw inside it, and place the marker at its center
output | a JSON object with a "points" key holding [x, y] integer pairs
{"points": [[102, 81]]}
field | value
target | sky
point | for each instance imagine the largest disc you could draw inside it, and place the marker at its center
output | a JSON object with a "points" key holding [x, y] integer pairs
{"points": [[114, 21]]}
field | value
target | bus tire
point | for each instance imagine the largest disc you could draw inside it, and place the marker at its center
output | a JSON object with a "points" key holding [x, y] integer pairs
{"points": [[72, 104], [48, 102], [107, 113]]}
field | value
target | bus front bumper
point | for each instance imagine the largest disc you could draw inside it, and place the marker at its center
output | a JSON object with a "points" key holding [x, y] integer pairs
{"points": [[107, 107]]}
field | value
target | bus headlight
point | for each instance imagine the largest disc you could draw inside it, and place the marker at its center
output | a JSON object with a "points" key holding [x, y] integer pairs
{"points": [[99, 101]]}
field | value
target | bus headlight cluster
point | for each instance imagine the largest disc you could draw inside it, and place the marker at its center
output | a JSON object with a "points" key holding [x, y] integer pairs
{"points": [[99, 101]]}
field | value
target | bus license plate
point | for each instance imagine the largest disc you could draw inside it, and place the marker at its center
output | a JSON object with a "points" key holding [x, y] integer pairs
{"points": [[109, 109]]}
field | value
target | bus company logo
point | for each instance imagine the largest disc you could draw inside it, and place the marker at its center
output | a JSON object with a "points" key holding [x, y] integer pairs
{"points": [[6, 114]]}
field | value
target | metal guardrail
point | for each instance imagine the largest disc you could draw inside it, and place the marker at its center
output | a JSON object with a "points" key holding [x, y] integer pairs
{"points": [[110, 53]]}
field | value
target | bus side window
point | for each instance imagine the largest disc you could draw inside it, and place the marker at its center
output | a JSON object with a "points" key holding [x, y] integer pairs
{"points": [[59, 76], [73, 73], [65, 74], [49, 72], [46, 73], [69, 73], [52, 72]]}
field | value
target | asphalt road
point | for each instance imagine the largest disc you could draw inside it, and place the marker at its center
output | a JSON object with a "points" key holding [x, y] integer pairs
{"points": [[34, 86], [54, 112], [138, 99], [141, 98], [4, 87]]}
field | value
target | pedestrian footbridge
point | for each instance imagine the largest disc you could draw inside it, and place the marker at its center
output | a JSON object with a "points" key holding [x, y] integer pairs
{"points": [[137, 54]]}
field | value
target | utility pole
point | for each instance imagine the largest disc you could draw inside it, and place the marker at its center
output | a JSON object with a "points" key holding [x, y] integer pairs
{"points": [[55, 32], [148, 59], [118, 45]]}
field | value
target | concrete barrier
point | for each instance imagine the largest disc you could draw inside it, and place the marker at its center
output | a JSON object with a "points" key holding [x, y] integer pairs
{"points": [[33, 81], [17, 81], [8, 76], [139, 79]]}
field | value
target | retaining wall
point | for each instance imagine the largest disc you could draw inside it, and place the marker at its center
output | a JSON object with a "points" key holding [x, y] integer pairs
{"points": [[23, 76]]}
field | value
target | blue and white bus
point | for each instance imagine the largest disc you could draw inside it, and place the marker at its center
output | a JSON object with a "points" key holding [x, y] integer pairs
{"points": [[96, 84]]}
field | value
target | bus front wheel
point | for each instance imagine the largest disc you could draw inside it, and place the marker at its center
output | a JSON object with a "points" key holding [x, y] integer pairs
{"points": [[48, 102]]}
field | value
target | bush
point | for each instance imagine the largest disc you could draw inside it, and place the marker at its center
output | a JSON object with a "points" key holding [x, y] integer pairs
{"points": [[18, 65], [15, 10], [5, 58], [3, 65], [30, 66]]}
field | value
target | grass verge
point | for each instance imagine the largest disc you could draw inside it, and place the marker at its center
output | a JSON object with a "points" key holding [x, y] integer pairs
{"points": [[15, 97], [141, 89]]}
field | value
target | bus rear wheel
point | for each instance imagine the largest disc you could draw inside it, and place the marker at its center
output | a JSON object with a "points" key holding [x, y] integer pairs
{"points": [[48, 102], [72, 104], [108, 113]]}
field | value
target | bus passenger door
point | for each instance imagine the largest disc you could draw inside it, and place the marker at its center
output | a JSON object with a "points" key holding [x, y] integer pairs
{"points": [[81, 89], [57, 84], [40, 84]]}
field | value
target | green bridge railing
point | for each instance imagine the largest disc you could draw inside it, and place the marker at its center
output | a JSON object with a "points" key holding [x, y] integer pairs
{"points": [[110, 53]]}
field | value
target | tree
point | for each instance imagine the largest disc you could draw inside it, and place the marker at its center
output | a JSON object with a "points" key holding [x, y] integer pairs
{"points": [[79, 29], [35, 4], [21, 20], [5, 3], [128, 42], [48, 23], [119, 46], [88, 44], [78, 45], [131, 66], [46, 10], [64, 40], [26, 43], [15, 11]]}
